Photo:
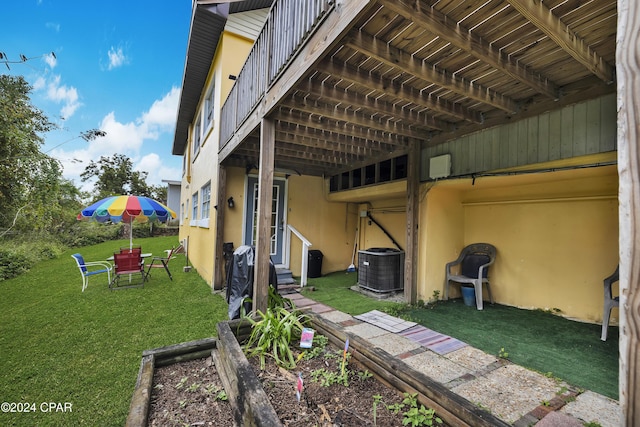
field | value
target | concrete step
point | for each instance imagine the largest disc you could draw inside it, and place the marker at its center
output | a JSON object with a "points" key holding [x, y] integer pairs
{"points": [[284, 276]]}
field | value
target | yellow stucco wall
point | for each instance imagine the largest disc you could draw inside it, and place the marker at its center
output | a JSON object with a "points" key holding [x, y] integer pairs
{"points": [[556, 235], [229, 59], [329, 226]]}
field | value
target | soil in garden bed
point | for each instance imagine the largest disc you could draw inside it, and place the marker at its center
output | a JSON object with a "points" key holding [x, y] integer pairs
{"points": [[189, 393], [329, 405]]}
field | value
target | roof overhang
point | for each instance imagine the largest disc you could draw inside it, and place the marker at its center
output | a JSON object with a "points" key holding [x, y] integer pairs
{"points": [[208, 20]]}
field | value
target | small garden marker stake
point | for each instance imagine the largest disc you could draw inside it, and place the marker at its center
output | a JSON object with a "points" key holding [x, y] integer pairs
{"points": [[299, 386], [344, 355]]}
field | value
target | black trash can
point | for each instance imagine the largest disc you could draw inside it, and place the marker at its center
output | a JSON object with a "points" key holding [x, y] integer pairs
{"points": [[315, 264]]}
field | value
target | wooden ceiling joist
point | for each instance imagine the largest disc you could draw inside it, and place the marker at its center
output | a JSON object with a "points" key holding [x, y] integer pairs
{"points": [[440, 24], [374, 82], [539, 15], [405, 62]]}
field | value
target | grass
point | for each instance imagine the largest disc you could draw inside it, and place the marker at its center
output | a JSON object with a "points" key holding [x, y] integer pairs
{"points": [[58, 344], [538, 340], [335, 291]]}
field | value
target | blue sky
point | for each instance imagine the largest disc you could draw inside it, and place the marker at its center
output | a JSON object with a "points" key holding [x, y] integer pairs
{"points": [[118, 68]]}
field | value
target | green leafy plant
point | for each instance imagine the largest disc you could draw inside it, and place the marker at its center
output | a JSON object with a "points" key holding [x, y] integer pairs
{"points": [[193, 387], [272, 333], [319, 344], [364, 375], [182, 383], [502, 354], [415, 415], [592, 424], [377, 399], [327, 378], [418, 415]]}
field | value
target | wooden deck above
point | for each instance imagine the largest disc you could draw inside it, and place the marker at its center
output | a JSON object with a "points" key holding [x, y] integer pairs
{"points": [[357, 81]]}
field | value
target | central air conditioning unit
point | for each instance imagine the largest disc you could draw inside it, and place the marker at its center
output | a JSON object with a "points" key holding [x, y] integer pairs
{"points": [[440, 166], [381, 269]]}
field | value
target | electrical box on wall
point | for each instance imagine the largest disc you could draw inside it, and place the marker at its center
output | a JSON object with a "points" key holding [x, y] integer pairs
{"points": [[440, 166]]}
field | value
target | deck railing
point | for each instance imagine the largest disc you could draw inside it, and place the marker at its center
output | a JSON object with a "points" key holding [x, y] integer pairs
{"points": [[289, 24]]}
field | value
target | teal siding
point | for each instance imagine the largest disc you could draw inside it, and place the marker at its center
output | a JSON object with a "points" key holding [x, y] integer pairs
{"points": [[577, 130]]}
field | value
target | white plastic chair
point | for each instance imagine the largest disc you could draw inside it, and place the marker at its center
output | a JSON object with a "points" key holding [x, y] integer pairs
{"points": [[91, 268], [609, 301]]}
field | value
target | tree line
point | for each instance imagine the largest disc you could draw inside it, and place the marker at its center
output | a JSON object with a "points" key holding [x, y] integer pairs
{"points": [[34, 196]]}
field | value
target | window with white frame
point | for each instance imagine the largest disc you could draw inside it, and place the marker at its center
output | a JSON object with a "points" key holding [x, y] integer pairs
{"points": [[205, 202], [197, 135], [194, 207], [209, 105]]}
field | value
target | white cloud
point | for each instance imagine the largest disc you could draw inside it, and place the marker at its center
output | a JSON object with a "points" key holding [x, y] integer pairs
{"points": [[163, 111], [51, 61], [152, 164], [129, 138], [60, 94], [53, 26], [39, 84], [116, 58]]}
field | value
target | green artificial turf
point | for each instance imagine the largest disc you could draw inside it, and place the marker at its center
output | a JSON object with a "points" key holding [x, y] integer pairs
{"points": [[335, 291], [538, 340], [61, 345]]}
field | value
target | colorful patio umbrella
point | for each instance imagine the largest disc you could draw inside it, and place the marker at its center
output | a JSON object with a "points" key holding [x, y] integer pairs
{"points": [[129, 209]]}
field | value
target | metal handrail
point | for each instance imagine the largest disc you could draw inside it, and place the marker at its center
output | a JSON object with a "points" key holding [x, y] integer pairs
{"points": [[305, 253]]}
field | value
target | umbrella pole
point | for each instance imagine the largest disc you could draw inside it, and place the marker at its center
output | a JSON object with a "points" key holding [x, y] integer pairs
{"points": [[130, 234]]}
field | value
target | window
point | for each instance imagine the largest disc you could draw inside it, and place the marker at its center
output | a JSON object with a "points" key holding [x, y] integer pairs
{"points": [[194, 207], [182, 213], [376, 173], [209, 105], [205, 195], [197, 135]]}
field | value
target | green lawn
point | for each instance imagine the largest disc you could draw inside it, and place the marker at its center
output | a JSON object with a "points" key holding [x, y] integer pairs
{"points": [[534, 339], [58, 344]]}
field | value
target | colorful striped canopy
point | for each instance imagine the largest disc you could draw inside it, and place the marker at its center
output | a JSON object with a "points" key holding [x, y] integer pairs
{"points": [[128, 209]]}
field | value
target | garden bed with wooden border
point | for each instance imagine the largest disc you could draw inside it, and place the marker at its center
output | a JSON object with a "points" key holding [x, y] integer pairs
{"points": [[250, 403], [454, 410]]}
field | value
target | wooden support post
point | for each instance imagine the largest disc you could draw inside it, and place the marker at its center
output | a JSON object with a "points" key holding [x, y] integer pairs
{"points": [[413, 209], [219, 273], [263, 231], [628, 86]]}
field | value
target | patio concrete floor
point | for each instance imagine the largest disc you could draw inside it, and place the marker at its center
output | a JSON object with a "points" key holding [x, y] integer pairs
{"points": [[514, 394]]}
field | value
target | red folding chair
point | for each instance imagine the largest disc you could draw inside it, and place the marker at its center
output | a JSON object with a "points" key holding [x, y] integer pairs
{"points": [[128, 264]]}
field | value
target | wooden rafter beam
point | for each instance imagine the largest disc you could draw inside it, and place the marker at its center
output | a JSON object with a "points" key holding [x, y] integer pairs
{"points": [[375, 139], [437, 23], [543, 18], [360, 150], [394, 57], [374, 82], [325, 138], [354, 117], [407, 115]]}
